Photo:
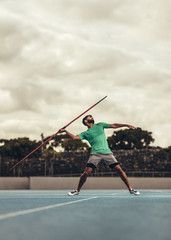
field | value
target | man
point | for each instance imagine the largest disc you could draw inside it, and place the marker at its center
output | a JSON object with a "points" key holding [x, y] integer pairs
{"points": [[99, 151]]}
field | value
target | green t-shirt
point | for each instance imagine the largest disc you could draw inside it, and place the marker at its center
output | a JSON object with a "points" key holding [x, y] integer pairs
{"points": [[97, 138]]}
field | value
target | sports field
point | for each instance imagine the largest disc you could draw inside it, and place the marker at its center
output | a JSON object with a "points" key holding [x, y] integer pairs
{"points": [[94, 214]]}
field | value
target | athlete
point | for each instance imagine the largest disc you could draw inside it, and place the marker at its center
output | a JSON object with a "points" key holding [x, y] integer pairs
{"points": [[99, 151]]}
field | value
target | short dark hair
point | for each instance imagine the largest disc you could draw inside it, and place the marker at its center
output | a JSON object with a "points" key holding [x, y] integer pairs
{"points": [[83, 121]]}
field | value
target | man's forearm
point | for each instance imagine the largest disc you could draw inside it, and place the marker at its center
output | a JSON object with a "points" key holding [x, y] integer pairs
{"points": [[119, 125], [69, 134]]}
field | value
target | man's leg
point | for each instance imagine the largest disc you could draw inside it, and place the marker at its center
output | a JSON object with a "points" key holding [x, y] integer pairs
{"points": [[83, 177], [91, 164], [123, 176]]}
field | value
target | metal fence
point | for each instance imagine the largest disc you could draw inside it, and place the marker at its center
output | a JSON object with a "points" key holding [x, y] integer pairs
{"points": [[114, 174]]}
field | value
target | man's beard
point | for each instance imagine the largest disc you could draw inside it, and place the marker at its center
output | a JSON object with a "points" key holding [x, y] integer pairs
{"points": [[90, 121]]}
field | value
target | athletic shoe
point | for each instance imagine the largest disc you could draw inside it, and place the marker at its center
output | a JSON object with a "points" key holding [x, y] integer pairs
{"points": [[134, 192], [73, 193]]}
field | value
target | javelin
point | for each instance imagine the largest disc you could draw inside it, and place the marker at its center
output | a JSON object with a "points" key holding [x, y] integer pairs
{"points": [[55, 134]]}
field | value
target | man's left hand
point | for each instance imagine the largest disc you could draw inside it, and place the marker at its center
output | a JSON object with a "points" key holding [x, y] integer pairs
{"points": [[132, 127]]}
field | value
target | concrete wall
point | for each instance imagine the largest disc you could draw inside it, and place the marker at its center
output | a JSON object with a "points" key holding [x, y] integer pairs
{"points": [[10, 183], [57, 183], [98, 183]]}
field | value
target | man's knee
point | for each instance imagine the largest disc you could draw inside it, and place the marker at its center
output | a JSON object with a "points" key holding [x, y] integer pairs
{"points": [[118, 168], [88, 171]]}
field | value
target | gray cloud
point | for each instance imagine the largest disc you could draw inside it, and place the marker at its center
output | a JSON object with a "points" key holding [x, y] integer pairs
{"points": [[59, 57]]}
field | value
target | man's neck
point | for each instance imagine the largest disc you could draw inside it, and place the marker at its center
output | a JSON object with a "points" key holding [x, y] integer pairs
{"points": [[91, 125]]}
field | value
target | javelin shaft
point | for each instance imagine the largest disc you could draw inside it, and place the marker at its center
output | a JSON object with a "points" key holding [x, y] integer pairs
{"points": [[84, 112], [55, 134]]}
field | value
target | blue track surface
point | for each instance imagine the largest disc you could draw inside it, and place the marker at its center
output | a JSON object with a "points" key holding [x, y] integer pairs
{"points": [[102, 215]]}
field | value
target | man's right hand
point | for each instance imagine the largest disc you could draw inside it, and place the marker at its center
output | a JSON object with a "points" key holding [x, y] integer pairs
{"points": [[61, 130]]}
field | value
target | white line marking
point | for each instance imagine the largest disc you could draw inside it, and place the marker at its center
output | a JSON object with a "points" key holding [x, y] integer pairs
{"points": [[28, 211]]}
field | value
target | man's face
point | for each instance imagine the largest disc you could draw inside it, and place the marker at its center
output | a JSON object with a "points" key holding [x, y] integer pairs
{"points": [[89, 120]]}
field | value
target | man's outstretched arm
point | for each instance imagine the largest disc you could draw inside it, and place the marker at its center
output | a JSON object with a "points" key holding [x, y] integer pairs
{"points": [[70, 134], [118, 125]]}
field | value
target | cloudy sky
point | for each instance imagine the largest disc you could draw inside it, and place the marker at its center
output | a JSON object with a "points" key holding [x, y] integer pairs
{"points": [[59, 57]]}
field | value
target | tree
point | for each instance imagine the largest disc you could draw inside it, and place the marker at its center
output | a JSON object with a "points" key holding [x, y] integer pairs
{"points": [[19, 148], [70, 145], [130, 139], [168, 152]]}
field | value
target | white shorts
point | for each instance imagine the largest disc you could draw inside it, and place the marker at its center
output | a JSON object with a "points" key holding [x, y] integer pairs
{"points": [[96, 158]]}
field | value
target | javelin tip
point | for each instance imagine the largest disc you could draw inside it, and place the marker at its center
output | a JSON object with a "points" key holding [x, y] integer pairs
{"points": [[101, 100], [105, 97]]}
